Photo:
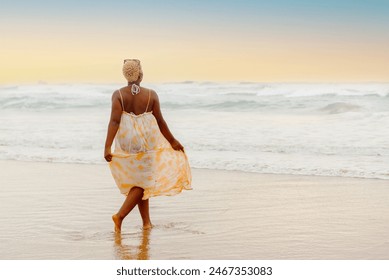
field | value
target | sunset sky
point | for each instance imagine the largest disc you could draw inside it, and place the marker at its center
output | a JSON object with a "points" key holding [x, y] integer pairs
{"points": [[260, 41]]}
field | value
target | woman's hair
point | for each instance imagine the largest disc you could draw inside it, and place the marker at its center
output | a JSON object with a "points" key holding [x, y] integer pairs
{"points": [[132, 70]]}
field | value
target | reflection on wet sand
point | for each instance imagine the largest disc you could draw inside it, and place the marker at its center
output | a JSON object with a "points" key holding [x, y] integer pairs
{"points": [[231, 215], [128, 252]]}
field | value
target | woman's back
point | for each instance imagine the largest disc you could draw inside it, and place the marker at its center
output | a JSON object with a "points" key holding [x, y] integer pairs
{"points": [[138, 130], [138, 103]]}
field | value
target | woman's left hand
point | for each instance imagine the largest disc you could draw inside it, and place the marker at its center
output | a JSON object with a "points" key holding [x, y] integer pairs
{"points": [[107, 154]]}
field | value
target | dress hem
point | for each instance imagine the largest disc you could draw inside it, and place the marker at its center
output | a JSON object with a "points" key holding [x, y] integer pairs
{"points": [[147, 194]]}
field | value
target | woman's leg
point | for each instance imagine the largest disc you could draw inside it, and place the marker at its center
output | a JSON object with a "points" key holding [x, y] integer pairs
{"points": [[143, 207], [132, 199]]}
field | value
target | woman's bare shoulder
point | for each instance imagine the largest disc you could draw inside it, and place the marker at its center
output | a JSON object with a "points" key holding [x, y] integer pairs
{"points": [[153, 93], [115, 94]]}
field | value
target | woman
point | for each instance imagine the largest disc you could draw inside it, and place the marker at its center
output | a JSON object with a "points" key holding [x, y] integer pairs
{"points": [[147, 161]]}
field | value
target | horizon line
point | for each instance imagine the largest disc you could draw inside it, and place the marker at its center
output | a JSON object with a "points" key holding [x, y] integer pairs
{"points": [[193, 82]]}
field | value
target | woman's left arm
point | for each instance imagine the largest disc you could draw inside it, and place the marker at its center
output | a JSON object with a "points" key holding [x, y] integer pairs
{"points": [[113, 126]]}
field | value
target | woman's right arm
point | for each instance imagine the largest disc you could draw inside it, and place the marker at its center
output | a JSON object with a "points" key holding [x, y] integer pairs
{"points": [[163, 125], [113, 126]]}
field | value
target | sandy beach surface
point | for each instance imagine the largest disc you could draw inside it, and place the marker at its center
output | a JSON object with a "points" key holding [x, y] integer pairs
{"points": [[63, 211]]}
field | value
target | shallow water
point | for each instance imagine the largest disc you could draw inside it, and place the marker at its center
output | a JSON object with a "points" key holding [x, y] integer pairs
{"points": [[306, 129], [63, 211]]}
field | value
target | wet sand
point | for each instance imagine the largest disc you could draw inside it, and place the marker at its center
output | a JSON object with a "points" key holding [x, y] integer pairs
{"points": [[63, 211]]}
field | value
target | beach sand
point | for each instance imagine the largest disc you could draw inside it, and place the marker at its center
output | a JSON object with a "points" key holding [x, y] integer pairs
{"points": [[63, 211]]}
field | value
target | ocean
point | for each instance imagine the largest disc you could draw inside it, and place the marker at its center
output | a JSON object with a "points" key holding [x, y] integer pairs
{"points": [[276, 128]]}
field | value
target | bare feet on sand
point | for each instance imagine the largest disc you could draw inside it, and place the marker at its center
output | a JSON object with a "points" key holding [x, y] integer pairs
{"points": [[147, 226], [118, 222]]}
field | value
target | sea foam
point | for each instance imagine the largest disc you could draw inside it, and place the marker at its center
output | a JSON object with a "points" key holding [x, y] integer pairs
{"points": [[310, 129]]}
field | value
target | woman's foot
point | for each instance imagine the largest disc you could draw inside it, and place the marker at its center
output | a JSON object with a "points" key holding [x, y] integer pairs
{"points": [[147, 226], [118, 222]]}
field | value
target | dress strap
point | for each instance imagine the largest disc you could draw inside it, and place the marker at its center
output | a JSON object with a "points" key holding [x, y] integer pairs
{"points": [[121, 97], [148, 102]]}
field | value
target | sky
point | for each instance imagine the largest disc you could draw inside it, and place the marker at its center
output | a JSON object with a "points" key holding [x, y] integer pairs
{"points": [[259, 41]]}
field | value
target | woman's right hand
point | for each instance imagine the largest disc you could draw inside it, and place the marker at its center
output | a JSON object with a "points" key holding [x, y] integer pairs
{"points": [[177, 145], [107, 154]]}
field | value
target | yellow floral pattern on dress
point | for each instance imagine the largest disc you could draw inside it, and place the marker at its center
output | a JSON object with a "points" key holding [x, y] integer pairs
{"points": [[144, 158]]}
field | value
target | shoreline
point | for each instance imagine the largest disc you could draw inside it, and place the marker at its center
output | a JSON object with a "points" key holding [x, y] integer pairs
{"points": [[202, 168], [63, 211]]}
